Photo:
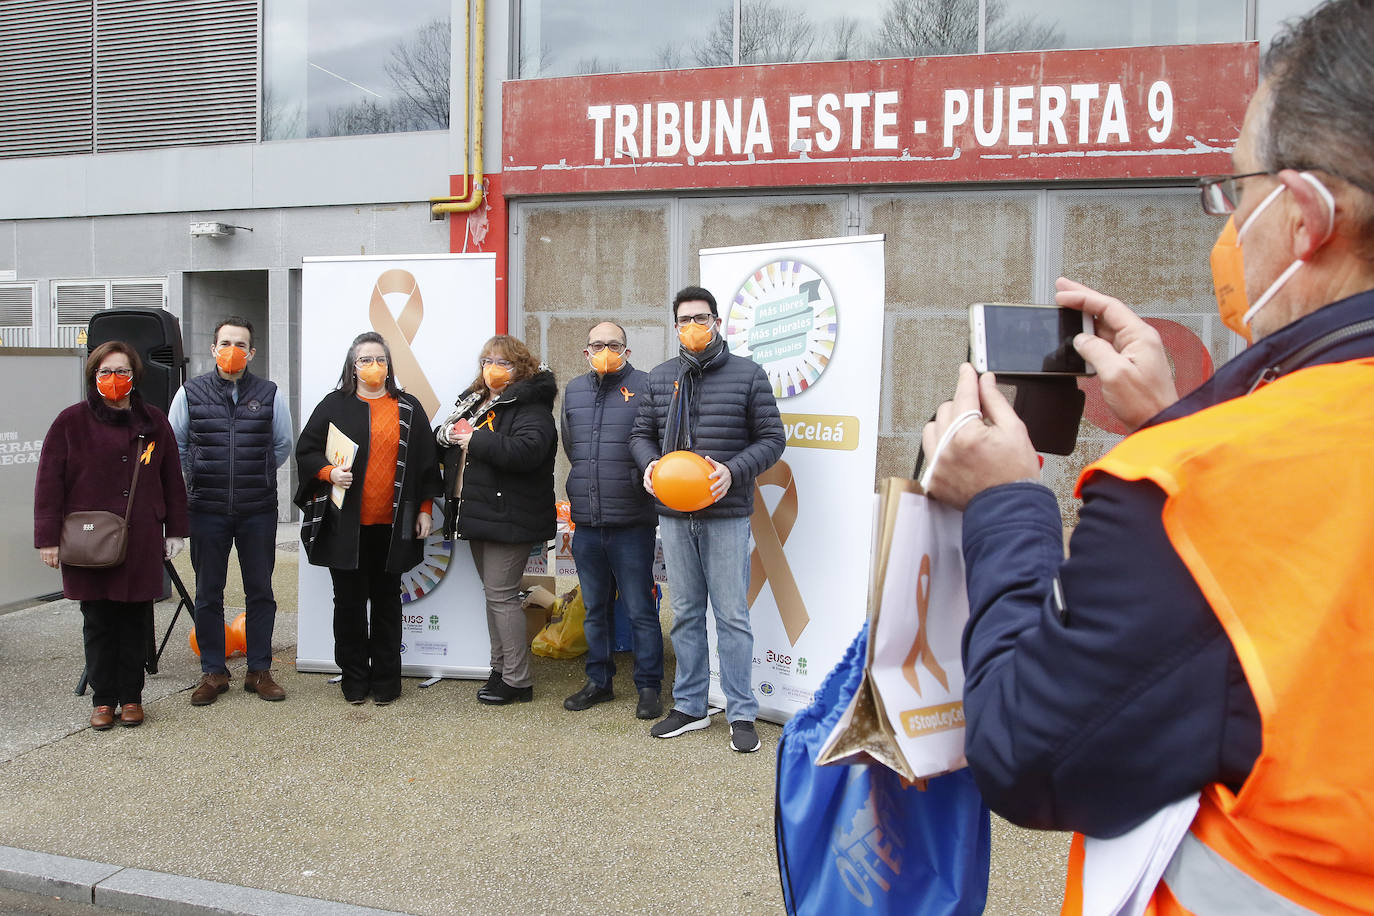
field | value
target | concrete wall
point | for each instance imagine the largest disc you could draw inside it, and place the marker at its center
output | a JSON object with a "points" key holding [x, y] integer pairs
{"points": [[574, 262]]}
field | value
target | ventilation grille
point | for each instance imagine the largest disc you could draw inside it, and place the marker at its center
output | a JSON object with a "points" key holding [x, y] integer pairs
{"points": [[176, 72], [144, 295], [16, 316], [77, 302], [45, 77]]}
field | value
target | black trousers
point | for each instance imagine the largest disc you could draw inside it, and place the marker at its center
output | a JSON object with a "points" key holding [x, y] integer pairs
{"points": [[370, 657], [116, 638]]}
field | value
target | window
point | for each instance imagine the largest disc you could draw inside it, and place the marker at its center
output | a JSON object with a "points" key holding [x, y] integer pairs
{"points": [[573, 37], [339, 67]]}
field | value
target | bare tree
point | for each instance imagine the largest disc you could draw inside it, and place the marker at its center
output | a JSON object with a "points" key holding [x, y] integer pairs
{"points": [[589, 65], [845, 39], [419, 69], [668, 56], [281, 121], [768, 33], [920, 28]]}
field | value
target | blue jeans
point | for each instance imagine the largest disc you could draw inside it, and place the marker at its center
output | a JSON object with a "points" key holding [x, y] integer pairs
{"points": [[623, 557], [212, 534], [710, 558]]}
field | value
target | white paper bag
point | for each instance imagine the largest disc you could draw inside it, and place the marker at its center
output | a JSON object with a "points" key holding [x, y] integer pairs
{"points": [[922, 608]]}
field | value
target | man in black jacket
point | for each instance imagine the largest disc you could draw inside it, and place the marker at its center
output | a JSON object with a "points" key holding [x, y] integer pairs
{"points": [[720, 406], [614, 541], [233, 429]]}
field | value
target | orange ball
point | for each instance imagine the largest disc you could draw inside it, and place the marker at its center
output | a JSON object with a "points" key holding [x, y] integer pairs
{"points": [[236, 636], [681, 481]]}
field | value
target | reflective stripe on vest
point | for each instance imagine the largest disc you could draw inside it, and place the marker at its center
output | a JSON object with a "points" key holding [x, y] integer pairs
{"points": [[1205, 884]]}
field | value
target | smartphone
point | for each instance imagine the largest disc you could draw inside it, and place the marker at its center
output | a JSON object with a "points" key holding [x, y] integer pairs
{"points": [[1020, 339]]}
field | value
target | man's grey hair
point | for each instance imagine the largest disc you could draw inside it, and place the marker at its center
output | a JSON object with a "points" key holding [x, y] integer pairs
{"points": [[1320, 76]]}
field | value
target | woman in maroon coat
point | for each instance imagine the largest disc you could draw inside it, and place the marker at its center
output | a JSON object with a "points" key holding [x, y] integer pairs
{"points": [[88, 461]]}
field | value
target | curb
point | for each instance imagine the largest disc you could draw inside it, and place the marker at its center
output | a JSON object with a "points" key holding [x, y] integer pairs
{"points": [[152, 892]]}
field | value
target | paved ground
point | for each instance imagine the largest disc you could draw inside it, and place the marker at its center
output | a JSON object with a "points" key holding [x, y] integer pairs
{"points": [[436, 804]]}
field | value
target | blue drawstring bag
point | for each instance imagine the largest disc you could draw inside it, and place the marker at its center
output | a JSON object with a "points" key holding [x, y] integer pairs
{"points": [[853, 840]]}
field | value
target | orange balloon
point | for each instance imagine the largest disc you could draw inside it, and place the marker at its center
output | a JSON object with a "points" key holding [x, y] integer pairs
{"points": [[681, 481], [236, 637]]}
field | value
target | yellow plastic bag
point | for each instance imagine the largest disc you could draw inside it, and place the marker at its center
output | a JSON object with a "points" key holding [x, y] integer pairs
{"points": [[564, 637]]}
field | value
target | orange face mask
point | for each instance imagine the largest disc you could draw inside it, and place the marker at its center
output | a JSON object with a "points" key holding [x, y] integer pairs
{"points": [[114, 387], [1228, 279], [231, 359], [1228, 262], [695, 337], [496, 377], [607, 361], [373, 376]]}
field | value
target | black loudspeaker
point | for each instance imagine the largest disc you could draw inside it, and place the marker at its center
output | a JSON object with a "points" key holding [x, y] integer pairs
{"points": [[156, 335]]}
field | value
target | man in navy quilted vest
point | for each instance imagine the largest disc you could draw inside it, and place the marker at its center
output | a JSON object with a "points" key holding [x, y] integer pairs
{"points": [[234, 430], [613, 544]]}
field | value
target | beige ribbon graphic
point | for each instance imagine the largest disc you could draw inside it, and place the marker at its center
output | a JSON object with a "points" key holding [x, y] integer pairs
{"points": [[400, 333], [921, 650], [768, 562]]}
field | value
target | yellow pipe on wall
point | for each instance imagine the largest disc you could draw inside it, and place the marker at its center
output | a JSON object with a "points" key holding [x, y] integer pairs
{"points": [[473, 98]]}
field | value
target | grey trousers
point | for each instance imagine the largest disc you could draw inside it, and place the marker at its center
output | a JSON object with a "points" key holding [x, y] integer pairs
{"points": [[500, 567]]}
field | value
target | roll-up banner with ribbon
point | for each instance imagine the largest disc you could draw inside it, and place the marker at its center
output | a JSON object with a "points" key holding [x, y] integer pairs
{"points": [[810, 313], [435, 312]]}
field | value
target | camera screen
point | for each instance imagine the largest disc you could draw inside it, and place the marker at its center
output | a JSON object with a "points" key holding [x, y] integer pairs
{"points": [[1026, 339]]}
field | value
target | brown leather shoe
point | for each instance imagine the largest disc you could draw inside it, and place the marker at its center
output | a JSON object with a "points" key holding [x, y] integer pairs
{"points": [[131, 714], [261, 683], [211, 686], [102, 718]]}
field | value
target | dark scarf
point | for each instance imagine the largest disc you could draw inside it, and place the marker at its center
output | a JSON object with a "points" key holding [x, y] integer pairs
{"points": [[684, 408], [136, 416]]}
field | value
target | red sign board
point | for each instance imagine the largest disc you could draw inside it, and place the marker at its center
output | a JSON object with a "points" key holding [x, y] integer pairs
{"points": [[1157, 112]]}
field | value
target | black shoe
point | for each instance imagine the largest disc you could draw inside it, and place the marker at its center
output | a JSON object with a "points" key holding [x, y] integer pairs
{"points": [[743, 738], [492, 680], [678, 723], [650, 706], [504, 693], [385, 701], [588, 696]]}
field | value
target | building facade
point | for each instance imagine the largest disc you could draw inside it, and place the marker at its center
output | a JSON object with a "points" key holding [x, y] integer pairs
{"points": [[189, 153]]}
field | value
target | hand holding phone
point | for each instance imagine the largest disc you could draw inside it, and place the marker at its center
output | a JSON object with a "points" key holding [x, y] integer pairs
{"points": [[1023, 339], [1137, 381]]}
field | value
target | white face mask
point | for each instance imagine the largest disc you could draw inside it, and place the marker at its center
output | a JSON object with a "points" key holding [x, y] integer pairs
{"points": [[1268, 294]]}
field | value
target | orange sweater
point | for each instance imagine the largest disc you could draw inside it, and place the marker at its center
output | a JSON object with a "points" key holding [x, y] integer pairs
{"points": [[379, 479]]}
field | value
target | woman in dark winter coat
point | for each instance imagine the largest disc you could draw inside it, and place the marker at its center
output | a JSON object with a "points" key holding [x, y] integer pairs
{"points": [[379, 530], [499, 446], [88, 462]]}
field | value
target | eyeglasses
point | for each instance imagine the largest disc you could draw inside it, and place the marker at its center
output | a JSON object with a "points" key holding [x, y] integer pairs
{"points": [[598, 346], [503, 363], [1221, 193], [362, 362], [106, 373], [704, 319]]}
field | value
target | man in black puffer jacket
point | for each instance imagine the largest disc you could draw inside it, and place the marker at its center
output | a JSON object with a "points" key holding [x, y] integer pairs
{"points": [[720, 406], [614, 541]]}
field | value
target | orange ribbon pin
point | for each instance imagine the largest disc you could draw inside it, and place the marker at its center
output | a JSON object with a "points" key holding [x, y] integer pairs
{"points": [[487, 423], [920, 649], [626, 393], [147, 456]]}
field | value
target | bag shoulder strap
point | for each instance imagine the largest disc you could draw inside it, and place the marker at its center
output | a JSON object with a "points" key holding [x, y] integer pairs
{"points": [[133, 485]]}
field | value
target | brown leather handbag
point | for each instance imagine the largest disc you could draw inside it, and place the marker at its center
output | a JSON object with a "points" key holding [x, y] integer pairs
{"points": [[96, 539]]}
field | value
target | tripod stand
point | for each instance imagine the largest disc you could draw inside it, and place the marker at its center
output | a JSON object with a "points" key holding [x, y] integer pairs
{"points": [[155, 650]]}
